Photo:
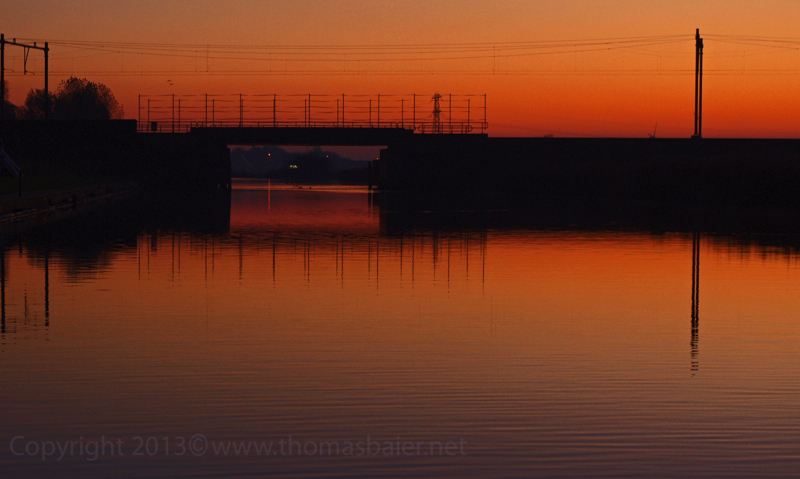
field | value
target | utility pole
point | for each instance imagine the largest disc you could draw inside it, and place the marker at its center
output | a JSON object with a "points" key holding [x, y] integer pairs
{"points": [[2, 76], [45, 49], [46, 76], [698, 87]]}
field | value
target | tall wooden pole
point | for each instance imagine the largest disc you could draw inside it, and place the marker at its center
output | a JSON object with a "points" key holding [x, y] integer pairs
{"points": [[46, 76], [2, 76], [698, 86]]}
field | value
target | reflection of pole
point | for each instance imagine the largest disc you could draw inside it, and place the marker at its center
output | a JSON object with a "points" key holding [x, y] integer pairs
{"points": [[401, 259], [377, 262], [47, 287], [342, 270], [3, 289], [467, 258], [483, 261], [695, 298], [413, 258], [308, 268]]}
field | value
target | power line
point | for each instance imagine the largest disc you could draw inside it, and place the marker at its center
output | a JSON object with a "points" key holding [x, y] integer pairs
{"points": [[405, 59]]}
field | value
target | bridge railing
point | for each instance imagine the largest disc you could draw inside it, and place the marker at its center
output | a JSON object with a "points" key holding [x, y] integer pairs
{"points": [[451, 114], [421, 127]]}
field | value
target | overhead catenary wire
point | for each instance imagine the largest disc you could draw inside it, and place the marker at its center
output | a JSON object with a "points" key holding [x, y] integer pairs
{"points": [[469, 58]]}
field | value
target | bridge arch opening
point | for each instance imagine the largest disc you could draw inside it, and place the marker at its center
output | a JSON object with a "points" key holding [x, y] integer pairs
{"points": [[306, 164]]}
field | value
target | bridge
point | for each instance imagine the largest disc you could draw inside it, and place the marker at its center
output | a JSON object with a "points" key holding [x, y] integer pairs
{"points": [[301, 136], [451, 114], [436, 151]]}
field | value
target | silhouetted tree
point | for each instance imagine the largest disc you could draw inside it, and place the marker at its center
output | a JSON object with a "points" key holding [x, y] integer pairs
{"points": [[9, 109], [81, 99], [34, 107]]}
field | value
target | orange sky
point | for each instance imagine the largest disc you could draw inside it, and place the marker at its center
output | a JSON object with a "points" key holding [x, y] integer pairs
{"points": [[574, 99]]}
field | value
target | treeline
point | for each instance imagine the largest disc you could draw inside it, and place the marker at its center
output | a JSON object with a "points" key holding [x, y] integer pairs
{"points": [[74, 99]]}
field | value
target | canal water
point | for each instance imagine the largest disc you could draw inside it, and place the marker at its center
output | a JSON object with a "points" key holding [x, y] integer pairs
{"points": [[302, 332]]}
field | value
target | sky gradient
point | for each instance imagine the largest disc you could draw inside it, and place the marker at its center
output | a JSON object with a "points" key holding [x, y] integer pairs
{"points": [[751, 88]]}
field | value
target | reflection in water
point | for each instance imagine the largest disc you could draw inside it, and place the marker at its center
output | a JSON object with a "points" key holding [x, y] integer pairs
{"points": [[695, 298], [47, 287], [3, 289], [562, 354]]}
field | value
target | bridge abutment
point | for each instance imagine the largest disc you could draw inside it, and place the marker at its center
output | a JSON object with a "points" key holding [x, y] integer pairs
{"points": [[92, 149]]}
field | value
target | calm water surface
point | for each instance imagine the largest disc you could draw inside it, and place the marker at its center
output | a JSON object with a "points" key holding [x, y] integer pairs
{"points": [[292, 324]]}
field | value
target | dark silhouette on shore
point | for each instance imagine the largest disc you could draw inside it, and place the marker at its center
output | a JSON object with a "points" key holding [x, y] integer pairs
{"points": [[75, 99]]}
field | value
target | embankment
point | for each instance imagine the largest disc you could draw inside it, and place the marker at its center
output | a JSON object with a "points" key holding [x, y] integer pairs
{"points": [[742, 183]]}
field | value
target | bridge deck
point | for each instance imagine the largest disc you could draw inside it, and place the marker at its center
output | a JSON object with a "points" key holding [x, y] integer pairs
{"points": [[304, 136]]}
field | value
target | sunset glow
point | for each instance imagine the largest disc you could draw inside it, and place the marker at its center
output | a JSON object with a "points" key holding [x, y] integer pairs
{"points": [[582, 83]]}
